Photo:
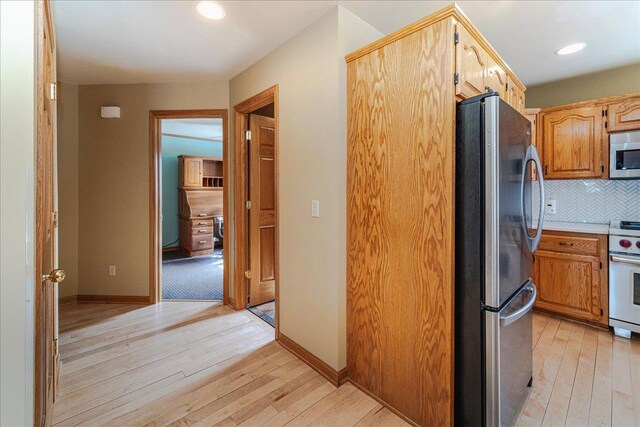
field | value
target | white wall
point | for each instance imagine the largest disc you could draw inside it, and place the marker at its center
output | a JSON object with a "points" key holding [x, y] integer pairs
{"points": [[17, 211], [309, 69]]}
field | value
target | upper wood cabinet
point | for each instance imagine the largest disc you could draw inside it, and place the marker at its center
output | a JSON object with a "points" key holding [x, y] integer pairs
{"points": [[477, 71], [496, 78], [572, 143], [624, 115], [515, 95], [532, 115], [471, 63], [190, 171]]}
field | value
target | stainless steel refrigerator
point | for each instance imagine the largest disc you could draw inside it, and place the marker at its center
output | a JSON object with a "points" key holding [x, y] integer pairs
{"points": [[495, 240]]}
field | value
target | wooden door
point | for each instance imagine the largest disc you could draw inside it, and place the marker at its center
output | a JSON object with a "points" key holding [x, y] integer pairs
{"points": [[572, 143], [191, 172], [263, 212], [624, 115], [496, 79], [46, 351], [471, 64], [516, 96], [568, 284]]}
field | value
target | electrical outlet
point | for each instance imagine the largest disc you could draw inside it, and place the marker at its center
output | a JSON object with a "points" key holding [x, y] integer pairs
{"points": [[112, 270], [550, 207], [315, 208]]}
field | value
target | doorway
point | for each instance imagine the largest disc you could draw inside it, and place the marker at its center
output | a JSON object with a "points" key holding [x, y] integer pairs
{"points": [[256, 216], [189, 205]]}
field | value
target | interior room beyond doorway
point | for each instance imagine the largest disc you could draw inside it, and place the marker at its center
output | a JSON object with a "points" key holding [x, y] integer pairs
{"points": [[192, 209]]}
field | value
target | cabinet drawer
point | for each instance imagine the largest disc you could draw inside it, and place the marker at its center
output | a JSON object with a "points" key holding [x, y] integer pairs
{"points": [[201, 231], [198, 223], [201, 242], [569, 244]]}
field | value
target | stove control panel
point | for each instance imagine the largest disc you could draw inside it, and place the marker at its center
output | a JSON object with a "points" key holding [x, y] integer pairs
{"points": [[624, 244]]}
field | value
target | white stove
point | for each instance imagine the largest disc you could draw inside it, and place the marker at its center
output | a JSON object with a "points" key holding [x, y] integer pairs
{"points": [[624, 277]]}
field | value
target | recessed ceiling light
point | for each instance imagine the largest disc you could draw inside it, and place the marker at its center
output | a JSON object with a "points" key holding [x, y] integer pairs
{"points": [[210, 10], [572, 48]]}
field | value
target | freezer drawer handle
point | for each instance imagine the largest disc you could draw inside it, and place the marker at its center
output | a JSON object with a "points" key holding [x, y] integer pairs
{"points": [[628, 260], [507, 320]]}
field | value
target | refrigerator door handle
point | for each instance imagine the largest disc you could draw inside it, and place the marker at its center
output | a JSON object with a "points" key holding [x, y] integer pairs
{"points": [[507, 320], [532, 155]]}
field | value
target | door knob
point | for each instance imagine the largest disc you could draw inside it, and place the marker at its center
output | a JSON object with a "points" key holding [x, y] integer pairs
{"points": [[56, 276]]}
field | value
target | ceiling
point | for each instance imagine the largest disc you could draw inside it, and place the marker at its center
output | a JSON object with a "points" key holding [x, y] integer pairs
{"points": [[207, 129], [103, 42]]}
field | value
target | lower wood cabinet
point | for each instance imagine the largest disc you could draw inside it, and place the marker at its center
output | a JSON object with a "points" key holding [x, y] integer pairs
{"points": [[570, 272]]}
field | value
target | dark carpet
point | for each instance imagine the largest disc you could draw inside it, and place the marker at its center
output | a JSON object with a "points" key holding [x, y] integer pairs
{"points": [[192, 278], [266, 312]]}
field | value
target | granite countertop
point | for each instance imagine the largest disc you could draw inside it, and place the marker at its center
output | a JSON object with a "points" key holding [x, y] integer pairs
{"points": [[577, 227]]}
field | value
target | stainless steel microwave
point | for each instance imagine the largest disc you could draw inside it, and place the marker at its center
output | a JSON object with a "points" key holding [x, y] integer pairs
{"points": [[624, 155]]}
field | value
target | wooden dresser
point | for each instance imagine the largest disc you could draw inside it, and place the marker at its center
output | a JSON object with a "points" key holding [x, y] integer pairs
{"points": [[200, 202]]}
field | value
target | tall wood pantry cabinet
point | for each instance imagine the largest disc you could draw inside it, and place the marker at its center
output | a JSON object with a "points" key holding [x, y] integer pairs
{"points": [[402, 93]]}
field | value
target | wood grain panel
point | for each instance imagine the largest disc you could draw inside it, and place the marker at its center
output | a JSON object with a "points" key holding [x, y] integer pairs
{"points": [[573, 143], [400, 203], [624, 115]]}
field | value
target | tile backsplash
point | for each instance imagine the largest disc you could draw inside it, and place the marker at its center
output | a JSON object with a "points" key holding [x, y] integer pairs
{"points": [[593, 200]]}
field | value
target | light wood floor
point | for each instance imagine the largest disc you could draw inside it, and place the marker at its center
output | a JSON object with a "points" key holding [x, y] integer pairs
{"points": [[582, 376], [202, 363], [192, 363]]}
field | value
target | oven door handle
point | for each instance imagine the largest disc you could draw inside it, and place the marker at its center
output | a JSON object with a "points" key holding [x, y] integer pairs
{"points": [[625, 259]]}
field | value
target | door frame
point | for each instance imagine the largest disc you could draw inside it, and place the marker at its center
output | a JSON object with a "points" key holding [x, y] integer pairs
{"points": [[155, 192], [240, 185]]}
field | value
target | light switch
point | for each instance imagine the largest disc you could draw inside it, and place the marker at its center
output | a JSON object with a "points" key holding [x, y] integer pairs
{"points": [[550, 207], [315, 208], [112, 270]]}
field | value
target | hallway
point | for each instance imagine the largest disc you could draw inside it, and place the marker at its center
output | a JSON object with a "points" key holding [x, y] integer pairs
{"points": [[189, 363]]}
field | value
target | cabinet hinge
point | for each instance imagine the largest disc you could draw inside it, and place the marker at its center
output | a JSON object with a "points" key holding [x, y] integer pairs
{"points": [[456, 78], [247, 204], [247, 274], [53, 91], [55, 219], [601, 312], [456, 38], [546, 169], [247, 135], [600, 265], [602, 168]]}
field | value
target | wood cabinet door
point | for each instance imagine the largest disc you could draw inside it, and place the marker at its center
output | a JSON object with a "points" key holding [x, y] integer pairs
{"points": [[532, 115], [191, 172], [471, 64], [624, 115], [572, 143], [496, 78], [516, 96], [568, 284]]}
